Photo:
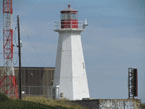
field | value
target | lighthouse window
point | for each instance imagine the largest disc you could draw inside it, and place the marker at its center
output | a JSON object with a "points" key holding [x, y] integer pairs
{"points": [[74, 16], [62, 16], [66, 16]]}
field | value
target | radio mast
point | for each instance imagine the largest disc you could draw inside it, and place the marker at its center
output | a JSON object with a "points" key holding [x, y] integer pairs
{"points": [[8, 79]]}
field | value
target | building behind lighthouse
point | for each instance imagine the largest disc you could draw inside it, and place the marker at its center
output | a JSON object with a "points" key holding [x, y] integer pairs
{"points": [[70, 79]]}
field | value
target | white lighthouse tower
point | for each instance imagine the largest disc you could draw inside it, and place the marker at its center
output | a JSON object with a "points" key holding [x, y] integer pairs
{"points": [[70, 80]]}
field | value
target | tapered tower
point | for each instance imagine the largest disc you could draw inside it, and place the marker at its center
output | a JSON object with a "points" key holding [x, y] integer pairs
{"points": [[70, 80]]}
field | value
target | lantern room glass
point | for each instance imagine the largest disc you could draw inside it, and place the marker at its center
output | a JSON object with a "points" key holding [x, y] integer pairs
{"points": [[67, 16]]}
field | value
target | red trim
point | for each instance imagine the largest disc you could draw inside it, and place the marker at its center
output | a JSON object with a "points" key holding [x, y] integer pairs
{"points": [[8, 43], [11, 7], [74, 12], [69, 23], [11, 43], [13, 87], [7, 6]]}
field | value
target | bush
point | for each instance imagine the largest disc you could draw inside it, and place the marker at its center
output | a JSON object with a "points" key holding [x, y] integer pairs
{"points": [[143, 106], [3, 97]]}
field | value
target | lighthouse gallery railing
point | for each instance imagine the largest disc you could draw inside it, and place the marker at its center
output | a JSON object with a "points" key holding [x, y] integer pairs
{"points": [[69, 25]]}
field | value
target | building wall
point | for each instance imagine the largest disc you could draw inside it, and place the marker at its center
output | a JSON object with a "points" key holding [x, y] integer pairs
{"points": [[109, 103], [36, 81]]}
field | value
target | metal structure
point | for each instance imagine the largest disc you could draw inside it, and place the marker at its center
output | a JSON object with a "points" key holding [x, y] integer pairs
{"points": [[132, 83], [8, 79]]}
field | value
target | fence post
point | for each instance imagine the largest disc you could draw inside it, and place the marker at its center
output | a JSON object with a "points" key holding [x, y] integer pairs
{"points": [[124, 104], [29, 91]]}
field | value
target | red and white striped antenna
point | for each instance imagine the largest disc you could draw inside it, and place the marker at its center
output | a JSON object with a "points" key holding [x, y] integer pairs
{"points": [[8, 80]]}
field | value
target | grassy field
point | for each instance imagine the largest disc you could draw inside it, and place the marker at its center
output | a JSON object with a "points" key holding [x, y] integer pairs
{"points": [[35, 103], [38, 103], [143, 106]]}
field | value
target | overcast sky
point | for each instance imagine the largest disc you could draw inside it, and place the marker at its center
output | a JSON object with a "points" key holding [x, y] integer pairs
{"points": [[113, 41]]}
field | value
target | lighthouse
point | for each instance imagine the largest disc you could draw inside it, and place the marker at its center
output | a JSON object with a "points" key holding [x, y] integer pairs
{"points": [[70, 79]]}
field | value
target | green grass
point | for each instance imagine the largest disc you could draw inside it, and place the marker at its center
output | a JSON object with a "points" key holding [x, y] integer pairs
{"points": [[143, 106], [3, 97], [62, 104], [38, 103], [35, 103]]}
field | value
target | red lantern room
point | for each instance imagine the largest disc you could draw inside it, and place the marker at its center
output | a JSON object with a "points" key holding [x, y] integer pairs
{"points": [[69, 18]]}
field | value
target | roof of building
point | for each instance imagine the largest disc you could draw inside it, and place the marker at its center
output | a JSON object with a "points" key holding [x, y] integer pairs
{"points": [[50, 68]]}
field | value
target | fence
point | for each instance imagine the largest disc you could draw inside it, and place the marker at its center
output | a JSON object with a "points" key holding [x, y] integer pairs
{"points": [[69, 25], [36, 91], [44, 91]]}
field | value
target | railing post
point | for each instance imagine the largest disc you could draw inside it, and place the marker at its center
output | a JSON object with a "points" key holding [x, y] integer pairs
{"points": [[71, 24], [124, 104], [29, 91]]}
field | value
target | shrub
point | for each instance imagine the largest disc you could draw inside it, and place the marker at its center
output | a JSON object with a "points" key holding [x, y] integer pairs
{"points": [[3, 97], [143, 106]]}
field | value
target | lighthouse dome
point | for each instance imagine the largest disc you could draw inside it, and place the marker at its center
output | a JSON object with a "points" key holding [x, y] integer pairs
{"points": [[69, 10]]}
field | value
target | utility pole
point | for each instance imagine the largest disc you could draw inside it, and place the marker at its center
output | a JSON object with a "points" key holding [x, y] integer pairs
{"points": [[19, 49]]}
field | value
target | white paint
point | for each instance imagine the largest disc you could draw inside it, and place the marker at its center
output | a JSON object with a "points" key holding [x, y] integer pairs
{"points": [[70, 72], [23, 92], [57, 92]]}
